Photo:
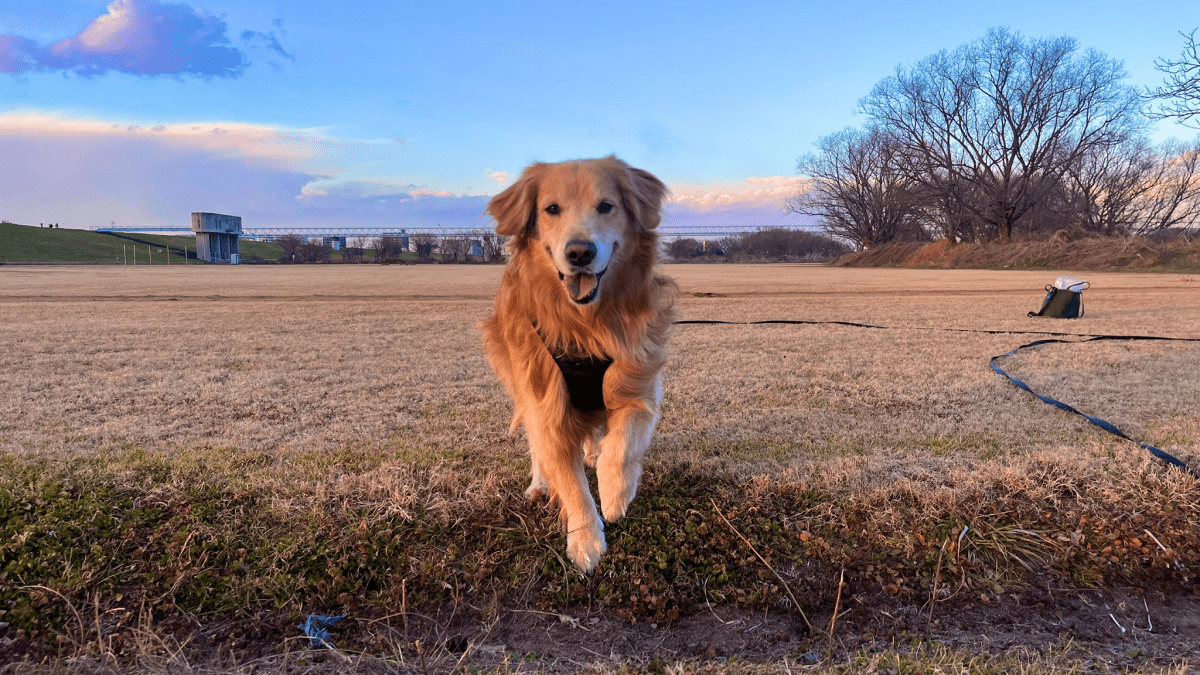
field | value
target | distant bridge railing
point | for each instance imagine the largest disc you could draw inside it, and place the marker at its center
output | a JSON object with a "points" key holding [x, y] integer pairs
{"points": [[269, 233]]}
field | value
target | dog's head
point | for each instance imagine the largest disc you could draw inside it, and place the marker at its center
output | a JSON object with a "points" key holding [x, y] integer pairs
{"points": [[579, 219]]}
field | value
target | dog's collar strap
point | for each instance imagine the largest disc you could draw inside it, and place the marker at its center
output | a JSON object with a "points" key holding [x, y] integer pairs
{"points": [[585, 381]]}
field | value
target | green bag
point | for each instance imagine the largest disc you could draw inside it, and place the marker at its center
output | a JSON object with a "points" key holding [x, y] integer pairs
{"points": [[1064, 299]]}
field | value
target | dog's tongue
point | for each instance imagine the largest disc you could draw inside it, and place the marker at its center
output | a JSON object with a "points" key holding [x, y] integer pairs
{"points": [[580, 286]]}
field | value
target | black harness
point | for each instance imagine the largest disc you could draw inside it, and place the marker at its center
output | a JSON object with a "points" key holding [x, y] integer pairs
{"points": [[584, 378], [585, 381]]}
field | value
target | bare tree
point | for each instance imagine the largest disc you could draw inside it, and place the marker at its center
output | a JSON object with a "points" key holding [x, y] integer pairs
{"points": [[387, 247], [454, 247], [1104, 189], [424, 244], [493, 246], [684, 248], [313, 250], [781, 243], [1172, 199], [990, 129], [290, 244], [858, 189], [1179, 97]]}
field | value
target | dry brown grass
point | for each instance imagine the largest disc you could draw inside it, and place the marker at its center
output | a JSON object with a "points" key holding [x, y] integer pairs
{"points": [[364, 390], [387, 360], [1064, 249], [280, 360]]}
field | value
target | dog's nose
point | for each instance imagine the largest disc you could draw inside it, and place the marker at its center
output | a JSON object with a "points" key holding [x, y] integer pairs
{"points": [[580, 253]]}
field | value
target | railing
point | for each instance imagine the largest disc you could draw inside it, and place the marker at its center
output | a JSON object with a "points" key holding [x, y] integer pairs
{"points": [[665, 232]]}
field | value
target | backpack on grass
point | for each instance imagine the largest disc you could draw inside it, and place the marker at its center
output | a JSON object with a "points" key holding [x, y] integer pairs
{"points": [[1064, 299]]}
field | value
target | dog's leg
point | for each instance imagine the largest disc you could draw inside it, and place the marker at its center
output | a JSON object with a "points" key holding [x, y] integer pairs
{"points": [[619, 466], [537, 484], [591, 446], [560, 460]]}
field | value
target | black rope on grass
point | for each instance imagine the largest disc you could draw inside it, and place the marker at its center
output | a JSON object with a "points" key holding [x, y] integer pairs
{"points": [[1087, 337]]}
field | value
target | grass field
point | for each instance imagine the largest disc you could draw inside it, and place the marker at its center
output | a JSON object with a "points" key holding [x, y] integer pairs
{"points": [[193, 459], [25, 244]]}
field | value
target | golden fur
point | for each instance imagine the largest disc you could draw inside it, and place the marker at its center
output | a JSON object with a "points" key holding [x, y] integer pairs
{"points": [[581, 281]]}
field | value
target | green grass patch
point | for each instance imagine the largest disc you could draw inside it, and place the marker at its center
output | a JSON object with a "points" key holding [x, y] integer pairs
{"points": [[25, 244], [200, 532]]}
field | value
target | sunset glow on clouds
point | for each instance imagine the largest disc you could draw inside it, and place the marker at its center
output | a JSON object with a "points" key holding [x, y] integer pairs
{"points": [[266, 145], [296, 168], [143, 37], [403, 114]]}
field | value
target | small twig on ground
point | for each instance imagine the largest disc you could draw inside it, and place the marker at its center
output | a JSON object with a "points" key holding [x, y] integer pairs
{"points": [[79, 644], [837, 606], [1116, 622], [764, 562], [562, 618], [1160, 544], [937, 572], [421, 655], [1149, 623], [710, 607]]}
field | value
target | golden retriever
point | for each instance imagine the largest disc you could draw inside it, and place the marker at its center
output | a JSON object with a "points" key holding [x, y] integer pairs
{"points": [[579, 333]]}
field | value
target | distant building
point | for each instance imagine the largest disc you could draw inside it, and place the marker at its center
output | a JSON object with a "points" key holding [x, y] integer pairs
{"points": [[217, 237]]}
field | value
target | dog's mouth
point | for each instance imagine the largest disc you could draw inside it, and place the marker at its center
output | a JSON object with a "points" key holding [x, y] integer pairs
{"points": [[582, 288]]}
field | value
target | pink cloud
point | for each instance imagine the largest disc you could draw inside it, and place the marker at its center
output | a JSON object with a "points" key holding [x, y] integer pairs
{"points": [[142, 37], [86, 173], [755, 190]]}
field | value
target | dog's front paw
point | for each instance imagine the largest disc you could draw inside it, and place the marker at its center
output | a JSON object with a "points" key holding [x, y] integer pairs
{"points": [[537, 490], [618, 487], [585, 546]]}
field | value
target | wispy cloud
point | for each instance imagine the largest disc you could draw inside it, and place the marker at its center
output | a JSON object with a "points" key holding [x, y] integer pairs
{"points": [[262, 144], [758, 201], [141, 37], [755, 190], [87, 172], [268, 40], [84, 172]]}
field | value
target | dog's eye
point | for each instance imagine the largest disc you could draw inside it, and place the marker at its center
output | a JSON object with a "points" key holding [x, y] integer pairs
{"points": [[552, 209], [604, 207]]}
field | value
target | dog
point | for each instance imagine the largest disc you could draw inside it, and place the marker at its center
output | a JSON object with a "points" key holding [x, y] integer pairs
{"points": [[579, 333]]}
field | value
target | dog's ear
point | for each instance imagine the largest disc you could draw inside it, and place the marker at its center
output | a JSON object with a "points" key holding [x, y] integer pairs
{"points": [[515, 209], [643, 195]]}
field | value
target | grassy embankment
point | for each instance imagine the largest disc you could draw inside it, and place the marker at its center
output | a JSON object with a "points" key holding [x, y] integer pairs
{"points": [[1058, 252], [25, 244]]}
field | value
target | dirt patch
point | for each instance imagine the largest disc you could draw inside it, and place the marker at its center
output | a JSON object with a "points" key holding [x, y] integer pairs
{"points": [[1118, 630]]}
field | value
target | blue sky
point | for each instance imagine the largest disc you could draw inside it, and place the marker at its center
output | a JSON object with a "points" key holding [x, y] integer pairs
{"points": [[366, 113]]}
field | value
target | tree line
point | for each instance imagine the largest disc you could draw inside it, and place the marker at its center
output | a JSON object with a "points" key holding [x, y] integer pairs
{"points": [[1009, 136], [769, 243], [484, 246]]}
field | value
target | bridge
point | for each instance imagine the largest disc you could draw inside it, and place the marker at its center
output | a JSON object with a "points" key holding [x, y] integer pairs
{"points": [[368, 233]]}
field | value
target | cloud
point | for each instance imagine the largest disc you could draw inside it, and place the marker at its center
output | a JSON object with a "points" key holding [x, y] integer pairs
{"points": [[500, 177], [755, 190], [756, 202], [17, 54], [86, 172], [254, 38], [141, 37], [261, 144]]}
